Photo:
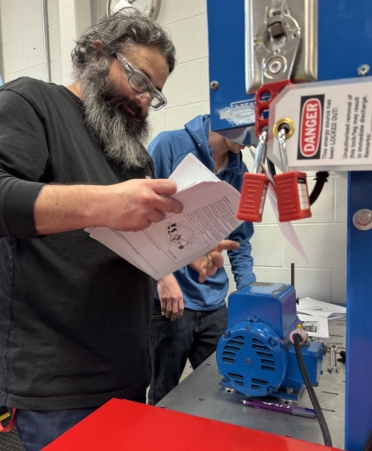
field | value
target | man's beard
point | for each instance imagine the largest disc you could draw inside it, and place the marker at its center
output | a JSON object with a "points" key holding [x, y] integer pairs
{"points": [[120, 134]]}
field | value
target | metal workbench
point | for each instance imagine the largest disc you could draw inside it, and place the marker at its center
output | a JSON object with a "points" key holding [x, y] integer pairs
{"points": [[202, 395]]}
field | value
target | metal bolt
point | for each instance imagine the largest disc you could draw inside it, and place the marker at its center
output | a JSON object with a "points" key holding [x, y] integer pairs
{"points": [[362, 219], [226, 334], [275, 67], [249, 327], [214, 85], [270, 389], [248, 361], [363, 70], [272, 342]]}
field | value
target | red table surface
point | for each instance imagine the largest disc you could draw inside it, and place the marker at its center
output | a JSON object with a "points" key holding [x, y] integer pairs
{"points": [[124, 425]]}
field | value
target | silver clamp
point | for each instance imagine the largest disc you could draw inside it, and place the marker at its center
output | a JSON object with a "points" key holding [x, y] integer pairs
{"points": [[277, 42]]}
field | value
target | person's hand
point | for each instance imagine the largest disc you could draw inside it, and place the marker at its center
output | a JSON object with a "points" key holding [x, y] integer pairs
{"points": [[208, 264], [136, 204], [171, 299], [128, 206]]}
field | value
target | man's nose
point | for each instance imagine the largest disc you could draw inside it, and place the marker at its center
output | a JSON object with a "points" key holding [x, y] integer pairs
{"points": [[143, 99]]}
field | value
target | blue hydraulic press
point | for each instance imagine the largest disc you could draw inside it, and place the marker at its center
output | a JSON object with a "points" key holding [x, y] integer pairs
{"points": [[309, 52]]}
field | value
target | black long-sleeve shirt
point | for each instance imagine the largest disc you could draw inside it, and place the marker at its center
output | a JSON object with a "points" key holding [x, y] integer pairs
{"points": [[74, 316]]}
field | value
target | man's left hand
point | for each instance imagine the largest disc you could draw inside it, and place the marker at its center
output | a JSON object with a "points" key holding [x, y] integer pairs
{"points": [[208, 264]]}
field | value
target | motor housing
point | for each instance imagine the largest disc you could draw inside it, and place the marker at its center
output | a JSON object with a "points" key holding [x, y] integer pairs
{"points": [[255, 355]]}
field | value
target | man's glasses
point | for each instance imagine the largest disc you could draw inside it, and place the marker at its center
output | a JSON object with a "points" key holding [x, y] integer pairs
{"points": [[141, 83]]}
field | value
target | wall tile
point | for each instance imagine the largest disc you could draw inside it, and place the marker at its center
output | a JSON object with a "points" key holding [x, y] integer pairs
{"points": [[267, 246], [33, 49], [322, 209], [175, 11], [183, 86], [195, 46], [339, 287], [157, 122], [19, 18], [53, 13], [37, 72], [54, 42], [13, 76], [316, 284], [13, 56], [56, 71], [324, 244], [177, 117], [205, 80], [340, 197]]}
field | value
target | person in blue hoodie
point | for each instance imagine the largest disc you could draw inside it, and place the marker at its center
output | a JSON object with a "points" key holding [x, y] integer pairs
{"points": [[188, 317]]}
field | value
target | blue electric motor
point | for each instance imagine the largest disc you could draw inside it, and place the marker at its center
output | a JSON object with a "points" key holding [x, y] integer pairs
{"points": [[255, 355]]}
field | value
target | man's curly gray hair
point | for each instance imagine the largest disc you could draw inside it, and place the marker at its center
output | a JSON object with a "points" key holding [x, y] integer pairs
{"points": [[119, 33]]}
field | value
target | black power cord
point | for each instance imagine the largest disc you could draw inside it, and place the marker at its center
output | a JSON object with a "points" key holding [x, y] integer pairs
{"points": [[314, 400], [320, 179]]}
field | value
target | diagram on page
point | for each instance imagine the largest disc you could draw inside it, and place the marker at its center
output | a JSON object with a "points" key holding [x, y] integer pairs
{"points": [[179, 236]]}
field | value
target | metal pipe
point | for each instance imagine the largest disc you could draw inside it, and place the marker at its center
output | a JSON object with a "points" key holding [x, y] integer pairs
{"points": [[44, 13]]}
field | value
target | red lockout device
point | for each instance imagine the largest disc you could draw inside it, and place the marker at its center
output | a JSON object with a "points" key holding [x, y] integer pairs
{"points": [[254, 187], [293, 196]]}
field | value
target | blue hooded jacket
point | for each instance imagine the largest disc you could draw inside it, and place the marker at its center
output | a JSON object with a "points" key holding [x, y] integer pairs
{"points": [[167, 150]]}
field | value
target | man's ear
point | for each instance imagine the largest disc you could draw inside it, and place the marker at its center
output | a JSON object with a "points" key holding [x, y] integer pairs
{"points": [[99, 47]]}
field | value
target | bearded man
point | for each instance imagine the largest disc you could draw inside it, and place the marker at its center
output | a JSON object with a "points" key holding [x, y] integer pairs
{"points": [[74, 316]]}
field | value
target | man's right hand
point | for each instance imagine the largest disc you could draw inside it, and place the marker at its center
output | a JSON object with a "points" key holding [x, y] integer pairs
{"points": [[171, 299], [138, 203], [128, 206]]}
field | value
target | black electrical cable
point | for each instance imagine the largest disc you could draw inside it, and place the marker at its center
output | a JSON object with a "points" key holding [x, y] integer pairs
{"points": [[320, 179], [314, 400]]}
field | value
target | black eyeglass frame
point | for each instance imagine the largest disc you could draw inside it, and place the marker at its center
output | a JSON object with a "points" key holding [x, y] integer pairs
{"points": [[156, 98]]}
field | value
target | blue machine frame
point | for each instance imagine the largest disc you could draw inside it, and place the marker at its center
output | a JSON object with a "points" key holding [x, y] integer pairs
{"points": [[344, 43]]}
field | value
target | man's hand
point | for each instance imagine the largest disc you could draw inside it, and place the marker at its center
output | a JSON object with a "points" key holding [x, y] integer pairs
{"points": [[128, 206], [171, 299], [208, 264], [139, 203]]}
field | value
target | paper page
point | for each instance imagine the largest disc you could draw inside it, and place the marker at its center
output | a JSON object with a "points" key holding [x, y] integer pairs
{"points": [[315, 326], [191, 171], [209, 216], [313, 307]]}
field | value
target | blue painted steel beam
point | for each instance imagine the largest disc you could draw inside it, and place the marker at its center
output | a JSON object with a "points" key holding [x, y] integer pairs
{"points": [[358, 408]]}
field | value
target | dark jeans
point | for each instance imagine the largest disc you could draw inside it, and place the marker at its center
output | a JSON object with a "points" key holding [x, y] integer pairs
{"points": [[194, 337], [37, 428]]}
